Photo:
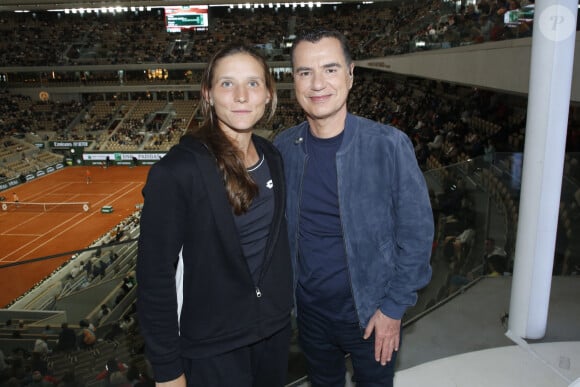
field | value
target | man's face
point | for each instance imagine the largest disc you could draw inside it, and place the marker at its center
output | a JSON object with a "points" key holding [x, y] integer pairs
{"points": [[322, 79]]}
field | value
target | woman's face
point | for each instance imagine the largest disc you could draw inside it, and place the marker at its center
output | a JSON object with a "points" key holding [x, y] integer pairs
{"points": [[238, 92]]}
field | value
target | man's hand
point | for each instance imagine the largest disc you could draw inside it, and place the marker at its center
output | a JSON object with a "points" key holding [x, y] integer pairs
{"points": [[387, 333], [179, 382]]}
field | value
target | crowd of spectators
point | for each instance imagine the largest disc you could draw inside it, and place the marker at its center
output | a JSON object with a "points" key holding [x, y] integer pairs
{"points": [[20, 115], [478, 23], [129, 133], [379, 29], [438, 117], [447, 123], [73, 356]]}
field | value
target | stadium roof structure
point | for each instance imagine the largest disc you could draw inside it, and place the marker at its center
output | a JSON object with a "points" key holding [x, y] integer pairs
{"points": [[32, 5]]}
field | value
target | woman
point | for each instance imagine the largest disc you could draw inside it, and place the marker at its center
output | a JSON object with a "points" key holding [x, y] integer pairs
{"points": [[214, 272]]}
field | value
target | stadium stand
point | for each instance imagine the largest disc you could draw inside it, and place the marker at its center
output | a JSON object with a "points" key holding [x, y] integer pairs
{"points": [[473, 162]]}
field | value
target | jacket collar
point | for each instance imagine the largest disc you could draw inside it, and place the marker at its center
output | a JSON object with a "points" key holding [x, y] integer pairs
{"points": [[350, 132]]}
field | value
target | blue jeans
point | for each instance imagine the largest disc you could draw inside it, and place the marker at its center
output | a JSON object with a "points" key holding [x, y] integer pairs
{"points": [[325, 344]]}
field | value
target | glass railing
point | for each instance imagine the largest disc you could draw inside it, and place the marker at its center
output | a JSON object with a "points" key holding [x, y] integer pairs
{"points": [[478, 200], [472, 202]]}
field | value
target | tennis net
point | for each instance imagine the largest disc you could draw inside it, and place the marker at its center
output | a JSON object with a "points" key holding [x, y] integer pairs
{"points": [[45, 207]]}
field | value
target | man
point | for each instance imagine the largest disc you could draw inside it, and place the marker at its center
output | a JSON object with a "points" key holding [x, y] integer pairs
{"points": [[67, 339], [41, 346], [359, 218], [495, 260]]}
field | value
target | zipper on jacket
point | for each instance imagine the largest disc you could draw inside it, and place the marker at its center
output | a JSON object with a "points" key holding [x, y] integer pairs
{"points": [[274, 232], [297, 255], [345, 248]]}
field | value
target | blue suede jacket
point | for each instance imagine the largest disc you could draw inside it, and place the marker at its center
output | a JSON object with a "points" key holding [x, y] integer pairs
{"points": [[385, 212]]}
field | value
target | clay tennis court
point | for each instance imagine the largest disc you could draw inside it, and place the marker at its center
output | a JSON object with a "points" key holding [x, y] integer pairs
{"points": [[32, 231]]}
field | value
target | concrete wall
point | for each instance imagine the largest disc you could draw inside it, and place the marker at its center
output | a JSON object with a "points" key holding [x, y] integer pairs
{"points": [[503, 65]]}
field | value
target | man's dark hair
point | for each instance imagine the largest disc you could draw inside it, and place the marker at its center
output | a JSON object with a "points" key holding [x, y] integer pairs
{"points": [[316, 35]]}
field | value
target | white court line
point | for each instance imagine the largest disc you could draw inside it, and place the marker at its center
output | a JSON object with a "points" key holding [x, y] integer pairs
{"points": [[36, 235], [114, 195], [67, 221], [34, 197], [19, 225], [64, 223], [41, 195]]}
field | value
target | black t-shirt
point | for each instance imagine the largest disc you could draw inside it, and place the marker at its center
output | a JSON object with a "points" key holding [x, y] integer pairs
{"points": [[323, 278], [254, 225]]}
